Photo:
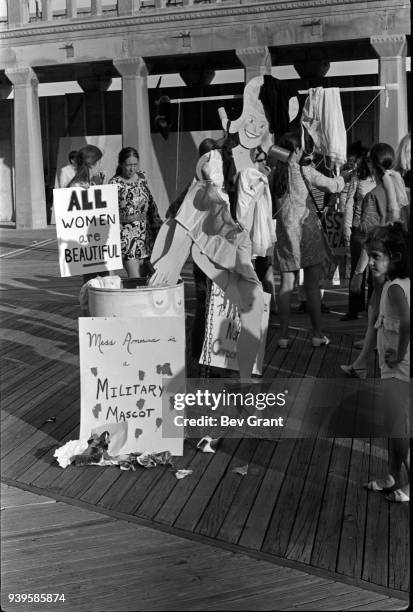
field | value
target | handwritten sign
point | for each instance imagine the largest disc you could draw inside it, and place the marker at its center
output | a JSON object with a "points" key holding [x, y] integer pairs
{"points": [[87, 227], [334, 229], [224, 327], [125, 367]]}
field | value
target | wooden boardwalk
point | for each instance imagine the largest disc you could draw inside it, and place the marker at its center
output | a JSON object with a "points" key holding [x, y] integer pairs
{"points": [[102, 563], [300, 505]]}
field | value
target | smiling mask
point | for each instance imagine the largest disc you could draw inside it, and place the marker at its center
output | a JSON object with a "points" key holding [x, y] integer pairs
{"points": [[252, 126]]}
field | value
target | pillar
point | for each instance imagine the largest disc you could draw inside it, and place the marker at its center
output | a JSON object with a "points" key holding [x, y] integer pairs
{"points": [[136, 126], [393, 123], [94, 87], [71, 9], [17, 12], [30, 197], [256, 61]]}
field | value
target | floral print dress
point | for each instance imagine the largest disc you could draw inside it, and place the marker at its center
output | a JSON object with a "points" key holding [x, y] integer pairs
{"points": [[139, 217]]}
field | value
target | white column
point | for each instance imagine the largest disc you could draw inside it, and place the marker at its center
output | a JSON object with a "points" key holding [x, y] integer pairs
{"points": [[47, 10], [128, 7], [136, 127], [256, 61], [71, 9], [17, 12], [393, 123], [28, 156], [96, 7]]}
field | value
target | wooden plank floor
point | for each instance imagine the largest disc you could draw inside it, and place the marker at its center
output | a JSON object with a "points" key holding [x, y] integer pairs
{"points": [[138, 568], [301, 503]]}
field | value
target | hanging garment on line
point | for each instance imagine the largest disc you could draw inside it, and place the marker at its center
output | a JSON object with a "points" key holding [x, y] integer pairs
{"points": [[254, 210], [322, 117]]}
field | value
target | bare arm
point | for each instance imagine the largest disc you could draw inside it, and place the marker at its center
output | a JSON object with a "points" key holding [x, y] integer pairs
{"points": [[323, 183], [399, 303]]}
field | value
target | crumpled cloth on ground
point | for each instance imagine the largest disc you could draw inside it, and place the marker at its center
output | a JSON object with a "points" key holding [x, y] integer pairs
{"points": [[254, 210], [104, 282], [73, 451], [323, 119], [65, 453], [145, 459]]}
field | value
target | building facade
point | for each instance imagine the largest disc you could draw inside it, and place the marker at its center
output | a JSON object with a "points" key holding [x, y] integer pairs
{"points": [[93, 42]]}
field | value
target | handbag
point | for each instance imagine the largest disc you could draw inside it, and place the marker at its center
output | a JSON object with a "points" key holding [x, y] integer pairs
{"points": [[330, 262]]}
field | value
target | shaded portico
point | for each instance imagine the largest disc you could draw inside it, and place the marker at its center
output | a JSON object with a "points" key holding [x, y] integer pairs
{"points": [[134, 39]]}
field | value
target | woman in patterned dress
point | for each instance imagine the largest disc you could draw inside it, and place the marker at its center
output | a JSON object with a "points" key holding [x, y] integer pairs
{"points": [[139, 217]]}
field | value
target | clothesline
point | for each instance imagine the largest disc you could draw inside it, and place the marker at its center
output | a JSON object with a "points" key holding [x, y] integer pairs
{"points": [[388, 86]]}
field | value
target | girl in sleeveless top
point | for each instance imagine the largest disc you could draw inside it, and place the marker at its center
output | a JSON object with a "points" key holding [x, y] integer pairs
{"points": [[388, 251]]}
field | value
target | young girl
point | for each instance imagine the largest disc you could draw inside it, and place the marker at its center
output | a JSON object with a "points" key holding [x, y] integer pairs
{"points": [[388, 251], [381, 205]]}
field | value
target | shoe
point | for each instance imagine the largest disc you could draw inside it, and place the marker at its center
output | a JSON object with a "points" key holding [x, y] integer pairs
{"points": [[316, 342], [324, 308], [358, 344], [349, 317], [397, 496], [354, 372], [283, 343], [373, 485]]}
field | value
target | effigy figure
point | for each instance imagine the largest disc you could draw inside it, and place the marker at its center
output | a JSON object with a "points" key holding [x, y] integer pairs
{"points": [[205, 227]]}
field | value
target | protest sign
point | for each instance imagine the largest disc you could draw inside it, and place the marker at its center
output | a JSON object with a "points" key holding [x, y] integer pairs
{"points": [[126, 368], [224, 326], [334, 224], [87, 228]]}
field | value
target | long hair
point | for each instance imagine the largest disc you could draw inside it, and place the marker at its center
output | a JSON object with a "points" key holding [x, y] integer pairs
{"points": [[86, 157], [290, 141], [363, 169], [225, 146], [382, 157], [393, 240], [125, 154], [403, 162], [206, 145]]}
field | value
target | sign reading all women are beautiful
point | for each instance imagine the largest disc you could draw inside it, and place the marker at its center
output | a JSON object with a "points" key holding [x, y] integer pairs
{"points": [[87, 227], [127, 366]]}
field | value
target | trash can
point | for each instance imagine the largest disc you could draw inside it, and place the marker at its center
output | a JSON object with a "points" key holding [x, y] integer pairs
{"points": [[136, 299]]}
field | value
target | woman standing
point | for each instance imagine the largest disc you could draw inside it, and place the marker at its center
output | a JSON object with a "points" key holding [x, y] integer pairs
{"points": [[139, 217], [365, 183], [88, 173], [300, 242], [88, 169]]}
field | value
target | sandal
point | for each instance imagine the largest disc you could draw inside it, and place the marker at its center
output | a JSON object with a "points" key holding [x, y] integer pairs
{"points": [[283, 343], [354, 372], [373, 485], [397, 496], [316, 342]]}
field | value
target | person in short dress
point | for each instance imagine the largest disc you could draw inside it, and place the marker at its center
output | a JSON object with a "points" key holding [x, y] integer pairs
{"points": [[139, 216], [300, 242]]}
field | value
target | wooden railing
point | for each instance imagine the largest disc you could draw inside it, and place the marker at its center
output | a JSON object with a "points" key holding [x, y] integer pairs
{"points": [[23, 12]]}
